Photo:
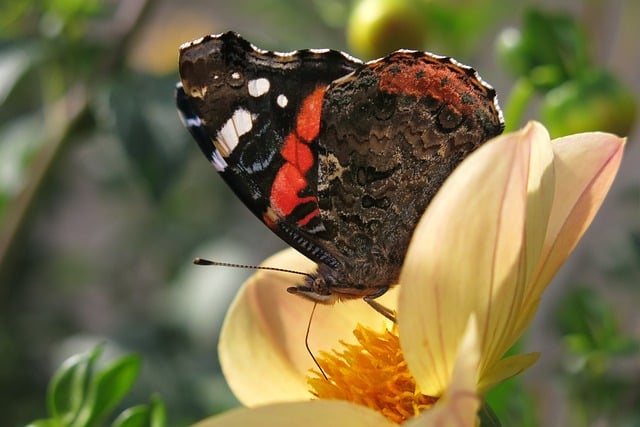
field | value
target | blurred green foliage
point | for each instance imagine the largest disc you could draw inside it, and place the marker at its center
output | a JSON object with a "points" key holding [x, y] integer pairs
{"points": [[595, 343], [104, 198], [550, 55], [96, 212], [81, 394], [548, 49]]}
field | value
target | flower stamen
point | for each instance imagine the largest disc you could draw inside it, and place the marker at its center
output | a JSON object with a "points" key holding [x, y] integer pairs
{"points": [[372, 373]]}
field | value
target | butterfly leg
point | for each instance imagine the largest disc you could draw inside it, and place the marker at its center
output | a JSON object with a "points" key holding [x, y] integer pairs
{"points": [[385, 311]]}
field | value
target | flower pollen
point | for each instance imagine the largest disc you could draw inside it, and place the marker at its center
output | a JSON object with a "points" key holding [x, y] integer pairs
{"points": [[372, 373]]}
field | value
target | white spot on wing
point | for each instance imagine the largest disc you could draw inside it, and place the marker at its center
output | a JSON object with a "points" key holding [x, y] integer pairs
{"points": [[317, 229], [228, 138], [218, 161], [242, 121], [235, 75], [229, 135], [258, 87], [192, 122], [282, 101]]}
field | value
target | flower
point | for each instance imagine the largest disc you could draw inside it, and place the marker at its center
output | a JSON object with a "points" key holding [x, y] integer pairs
{"points": [[481, 256]]}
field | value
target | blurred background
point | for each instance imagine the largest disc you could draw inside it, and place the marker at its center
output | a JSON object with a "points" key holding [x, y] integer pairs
{"points": [[105, 199]]}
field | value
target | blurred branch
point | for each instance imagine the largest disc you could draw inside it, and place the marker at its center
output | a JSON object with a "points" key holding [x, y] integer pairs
{"points": [[128, 19], [62, 118]]}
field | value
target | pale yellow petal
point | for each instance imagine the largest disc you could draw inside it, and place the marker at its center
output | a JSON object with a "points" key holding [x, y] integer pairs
{"points": [[585, 166], [463, 259], [262, 343], [252, 353], [540, 192], [458, 407], [540, 189], [505, 369], [316, 413]]}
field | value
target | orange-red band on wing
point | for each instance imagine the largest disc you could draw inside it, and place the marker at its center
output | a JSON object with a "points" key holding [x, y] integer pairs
{"points": [[308, 123], [290, 180], [297, 153], [286, 186]]}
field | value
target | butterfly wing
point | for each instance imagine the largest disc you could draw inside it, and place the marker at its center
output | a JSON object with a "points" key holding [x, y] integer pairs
{"points": [[392, 132], [256, 116]]}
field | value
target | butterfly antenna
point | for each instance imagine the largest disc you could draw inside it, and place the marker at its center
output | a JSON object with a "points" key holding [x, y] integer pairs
{"points": [[203, 261], [306, 342]]}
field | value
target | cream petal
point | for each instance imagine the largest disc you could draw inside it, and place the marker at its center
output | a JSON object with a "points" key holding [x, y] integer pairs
{"points": [[262, 342], [257, 371], [540, 193], [585, 166], [316, 413], [458, 407], [464, 258]]}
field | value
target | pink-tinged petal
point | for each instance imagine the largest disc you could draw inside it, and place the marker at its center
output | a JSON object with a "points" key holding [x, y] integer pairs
{"points": [[464, 257], [316, 413], [459, 406], [506, 368], [540, 193], [585, 166], [262, 343]]}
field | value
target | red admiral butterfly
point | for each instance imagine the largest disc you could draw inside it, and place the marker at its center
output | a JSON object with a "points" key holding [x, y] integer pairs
{"points": [[337, 157]]}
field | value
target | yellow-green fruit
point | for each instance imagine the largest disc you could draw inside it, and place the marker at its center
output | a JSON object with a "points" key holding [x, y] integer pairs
{"points": [[378, 27], [596, 103]]}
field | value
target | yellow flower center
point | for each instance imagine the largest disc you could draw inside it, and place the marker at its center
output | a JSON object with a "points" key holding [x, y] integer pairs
{"points": [[372, 373]]}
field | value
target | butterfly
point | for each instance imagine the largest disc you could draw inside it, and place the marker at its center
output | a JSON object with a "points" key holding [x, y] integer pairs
{"points": [[338, 157]]}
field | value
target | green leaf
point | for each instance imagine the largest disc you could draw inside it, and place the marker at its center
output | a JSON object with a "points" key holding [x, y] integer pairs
{"points": [[152, 415], [69, 386], [136, 416], [113, 383], [158, 412], [79, 395]]}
